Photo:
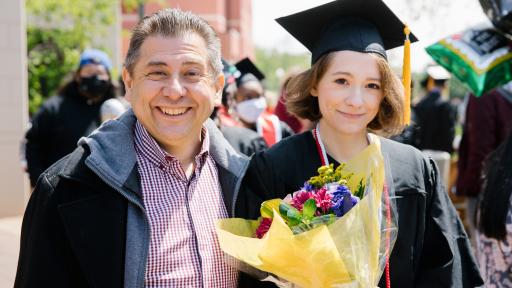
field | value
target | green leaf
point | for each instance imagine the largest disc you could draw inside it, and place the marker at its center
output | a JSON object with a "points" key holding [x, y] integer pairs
{"points": [[294, 216], [291, 215], [309, 209], [360, 190]]}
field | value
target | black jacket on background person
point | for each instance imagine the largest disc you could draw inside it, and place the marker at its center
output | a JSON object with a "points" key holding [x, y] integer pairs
{"points": [[432, 248], [57, 127], [244, 140], [436, 119]]}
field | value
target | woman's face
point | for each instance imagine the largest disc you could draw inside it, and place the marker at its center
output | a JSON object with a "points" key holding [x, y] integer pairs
{"points": [[349, 93]]}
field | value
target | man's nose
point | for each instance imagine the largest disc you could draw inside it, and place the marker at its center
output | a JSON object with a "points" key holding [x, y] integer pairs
{"points": [[174, 89]]}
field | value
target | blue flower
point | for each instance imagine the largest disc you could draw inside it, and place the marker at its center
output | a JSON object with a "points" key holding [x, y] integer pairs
{"points": [[343, 200], [308, 187]]}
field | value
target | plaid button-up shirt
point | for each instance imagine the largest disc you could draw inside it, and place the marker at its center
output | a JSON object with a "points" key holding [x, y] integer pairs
{"points": [[183, 249]]}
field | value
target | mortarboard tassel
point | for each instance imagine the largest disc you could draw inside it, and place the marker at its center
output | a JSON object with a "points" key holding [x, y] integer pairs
{"points": [[406, 76]]}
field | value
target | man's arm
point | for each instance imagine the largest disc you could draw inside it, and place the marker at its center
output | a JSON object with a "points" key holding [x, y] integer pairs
{"points": [[45, 258]]}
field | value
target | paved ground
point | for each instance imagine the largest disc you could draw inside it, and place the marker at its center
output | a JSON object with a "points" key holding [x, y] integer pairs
{"points": [[9, 247]]}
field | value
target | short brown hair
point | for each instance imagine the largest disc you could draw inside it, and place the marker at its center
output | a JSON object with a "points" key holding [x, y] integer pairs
{"points": [[174, 23], [389, 119]]}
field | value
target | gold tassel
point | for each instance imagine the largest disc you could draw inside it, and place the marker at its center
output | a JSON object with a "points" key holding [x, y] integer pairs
{"points": [[406, 76]]}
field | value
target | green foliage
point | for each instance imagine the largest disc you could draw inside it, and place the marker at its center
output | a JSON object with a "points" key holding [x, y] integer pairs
{"points": [[57, 31], [300, 222], [269, 61]]}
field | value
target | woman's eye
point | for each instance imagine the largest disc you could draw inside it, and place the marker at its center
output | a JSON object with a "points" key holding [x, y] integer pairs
{"points": [[341, 81], [374, 86]]}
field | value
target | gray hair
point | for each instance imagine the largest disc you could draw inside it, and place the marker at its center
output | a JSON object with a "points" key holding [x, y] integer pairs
{"points": [[174, 23]]}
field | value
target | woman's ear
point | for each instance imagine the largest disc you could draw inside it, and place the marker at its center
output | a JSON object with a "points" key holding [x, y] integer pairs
{"points": [[313, 92]]}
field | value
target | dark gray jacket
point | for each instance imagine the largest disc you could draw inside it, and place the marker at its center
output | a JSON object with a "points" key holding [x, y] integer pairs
{"points": [[85, 224]]}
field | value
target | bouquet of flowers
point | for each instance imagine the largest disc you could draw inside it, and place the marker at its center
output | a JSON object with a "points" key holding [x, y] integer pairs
{"points": [[319, 202], [335, 231]]}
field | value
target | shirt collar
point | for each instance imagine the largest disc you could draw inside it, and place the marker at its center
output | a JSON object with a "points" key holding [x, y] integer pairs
{"points": [[147, 146]]}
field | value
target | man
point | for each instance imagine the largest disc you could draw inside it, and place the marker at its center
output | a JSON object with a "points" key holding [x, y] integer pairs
{"points": [[135, 204], [73, 113], [435, 116]]}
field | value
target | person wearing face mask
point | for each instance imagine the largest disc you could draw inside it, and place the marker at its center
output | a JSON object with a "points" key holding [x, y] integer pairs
{"points": [[73, 113], [243, 140], [250, 105]]}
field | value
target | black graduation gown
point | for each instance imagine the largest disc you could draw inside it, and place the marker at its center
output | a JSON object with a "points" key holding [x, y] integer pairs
{"points": [[432, 248], [435, 120]]}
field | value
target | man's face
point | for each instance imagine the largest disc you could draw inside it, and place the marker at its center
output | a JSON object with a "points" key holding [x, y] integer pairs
{"points": [[172, 90]]}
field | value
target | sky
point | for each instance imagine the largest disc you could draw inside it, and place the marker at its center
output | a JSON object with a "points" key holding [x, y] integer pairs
{"points": [[429, 20]]}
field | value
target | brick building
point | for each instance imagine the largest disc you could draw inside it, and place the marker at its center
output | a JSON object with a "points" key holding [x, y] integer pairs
{"points": [[231, 19]]}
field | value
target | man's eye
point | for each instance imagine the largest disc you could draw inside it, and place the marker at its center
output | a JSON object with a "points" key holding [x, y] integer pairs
{"points": [[193, 75], [156, 75]]}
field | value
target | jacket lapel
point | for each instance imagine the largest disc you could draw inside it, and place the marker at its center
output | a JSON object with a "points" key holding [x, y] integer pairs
{"points": [[230, 164]]}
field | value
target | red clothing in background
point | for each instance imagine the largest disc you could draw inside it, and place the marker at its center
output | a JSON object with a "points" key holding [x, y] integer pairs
{"points": [[488, 122]]}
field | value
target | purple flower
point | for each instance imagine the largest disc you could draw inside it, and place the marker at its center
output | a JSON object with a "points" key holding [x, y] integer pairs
{"points": [[343, 200], [308, 187], [323, 199]]}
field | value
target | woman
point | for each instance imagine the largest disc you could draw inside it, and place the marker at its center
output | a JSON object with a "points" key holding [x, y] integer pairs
{"points": [[350, 91], [494, 237]]}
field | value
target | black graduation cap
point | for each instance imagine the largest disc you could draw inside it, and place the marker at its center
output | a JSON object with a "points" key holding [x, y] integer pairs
{"points": [[355, 25], [248, 72]]}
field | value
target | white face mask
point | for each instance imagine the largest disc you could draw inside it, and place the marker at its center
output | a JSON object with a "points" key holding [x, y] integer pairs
{"points": [[250, 110]]}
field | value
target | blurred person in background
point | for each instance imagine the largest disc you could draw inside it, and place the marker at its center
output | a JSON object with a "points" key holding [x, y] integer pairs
{"points": [[487, 122], [73, 113], [435, 116], [297, 124], [410, 133], [243, 140], [250, 105], [494, 234], [115, 107]]}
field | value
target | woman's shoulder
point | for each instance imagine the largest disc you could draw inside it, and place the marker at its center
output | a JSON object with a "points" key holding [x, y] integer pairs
{"points": [[403, 153], [410, 168]]}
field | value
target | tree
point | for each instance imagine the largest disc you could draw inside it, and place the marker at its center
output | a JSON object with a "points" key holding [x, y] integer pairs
{"points": [[275, 65], [57, 31]]}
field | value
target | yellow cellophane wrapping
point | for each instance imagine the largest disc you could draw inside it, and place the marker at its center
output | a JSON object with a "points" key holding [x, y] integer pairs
{"points": [[344, 252]]}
